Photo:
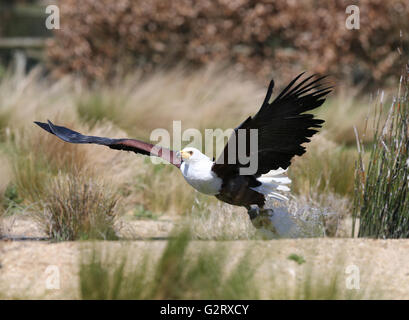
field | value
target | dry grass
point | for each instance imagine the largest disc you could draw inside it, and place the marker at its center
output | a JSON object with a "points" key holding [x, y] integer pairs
{"points": [[220, 222], [210, 270], [199, 99], [175, 274], [37, 157], [133, 107], [344, 111], [161, 188], [326, 167], [75, 207], [33, 97], [322, 214]]}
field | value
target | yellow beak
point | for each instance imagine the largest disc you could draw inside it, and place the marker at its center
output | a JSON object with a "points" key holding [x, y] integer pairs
{"points": [[183, 154]]}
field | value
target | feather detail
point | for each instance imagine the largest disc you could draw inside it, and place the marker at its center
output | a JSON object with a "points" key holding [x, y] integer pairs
{"points": [[272, 181]]}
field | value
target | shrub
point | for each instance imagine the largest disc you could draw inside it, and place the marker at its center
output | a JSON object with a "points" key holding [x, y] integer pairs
{"points": [[382, 187], [99, 38], [75, 207]]}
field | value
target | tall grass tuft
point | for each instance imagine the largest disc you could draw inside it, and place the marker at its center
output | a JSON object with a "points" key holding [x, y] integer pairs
{"points": [[75, 207], [382, 188]]}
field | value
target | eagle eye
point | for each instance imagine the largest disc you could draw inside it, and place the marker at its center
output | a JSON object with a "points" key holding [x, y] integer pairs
{"points": [[190, 152]]}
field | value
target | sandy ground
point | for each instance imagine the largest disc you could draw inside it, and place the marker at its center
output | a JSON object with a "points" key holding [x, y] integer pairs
{"points": [[26, 265]]}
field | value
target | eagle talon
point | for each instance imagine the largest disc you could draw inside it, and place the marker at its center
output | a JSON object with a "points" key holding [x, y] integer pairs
{"points": [[263, 220]]}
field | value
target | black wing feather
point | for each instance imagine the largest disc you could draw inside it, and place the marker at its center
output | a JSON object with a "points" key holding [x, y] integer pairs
{"points": [[136, 146], [282, 126]]}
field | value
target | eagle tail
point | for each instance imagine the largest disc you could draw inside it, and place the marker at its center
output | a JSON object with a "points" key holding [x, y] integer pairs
{"points": [[273, 182]]}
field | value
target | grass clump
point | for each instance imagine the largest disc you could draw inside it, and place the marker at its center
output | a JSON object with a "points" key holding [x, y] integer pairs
{"points": [[75, 207], [382, 187]]}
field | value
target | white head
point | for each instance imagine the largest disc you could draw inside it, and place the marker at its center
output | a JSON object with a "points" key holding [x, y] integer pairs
{"points": [[190, 154]]}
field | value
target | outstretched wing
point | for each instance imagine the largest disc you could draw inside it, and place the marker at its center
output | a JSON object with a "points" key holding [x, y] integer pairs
{"points": [[136, 146], [282, 127]]}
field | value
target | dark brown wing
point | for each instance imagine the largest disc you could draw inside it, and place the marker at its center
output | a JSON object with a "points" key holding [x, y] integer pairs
{"points": [[282, 127], [136, 146]]}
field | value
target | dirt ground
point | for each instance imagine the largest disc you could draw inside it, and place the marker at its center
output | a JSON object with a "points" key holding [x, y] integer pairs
{"points": [[26, 265]]}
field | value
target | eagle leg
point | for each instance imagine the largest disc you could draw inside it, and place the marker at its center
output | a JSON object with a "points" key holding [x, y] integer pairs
{"points": [[262, 220], [253, 211]]}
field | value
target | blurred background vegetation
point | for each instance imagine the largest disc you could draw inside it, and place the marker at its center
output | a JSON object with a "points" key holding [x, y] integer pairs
{"points": [[22, 33], [100, 39], [101, 73]]}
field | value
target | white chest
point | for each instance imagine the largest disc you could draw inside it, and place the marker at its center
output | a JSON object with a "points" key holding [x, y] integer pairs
{"points": [[200, 176]]}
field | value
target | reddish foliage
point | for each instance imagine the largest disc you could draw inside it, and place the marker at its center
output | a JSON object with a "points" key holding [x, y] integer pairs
{"points": [[99, 38]]}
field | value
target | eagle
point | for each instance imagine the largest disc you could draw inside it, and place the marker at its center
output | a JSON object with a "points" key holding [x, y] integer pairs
{"points": [[282, 128]]}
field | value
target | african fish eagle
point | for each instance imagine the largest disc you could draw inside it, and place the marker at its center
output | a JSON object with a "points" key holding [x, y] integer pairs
{"points": [[283, 126]]}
